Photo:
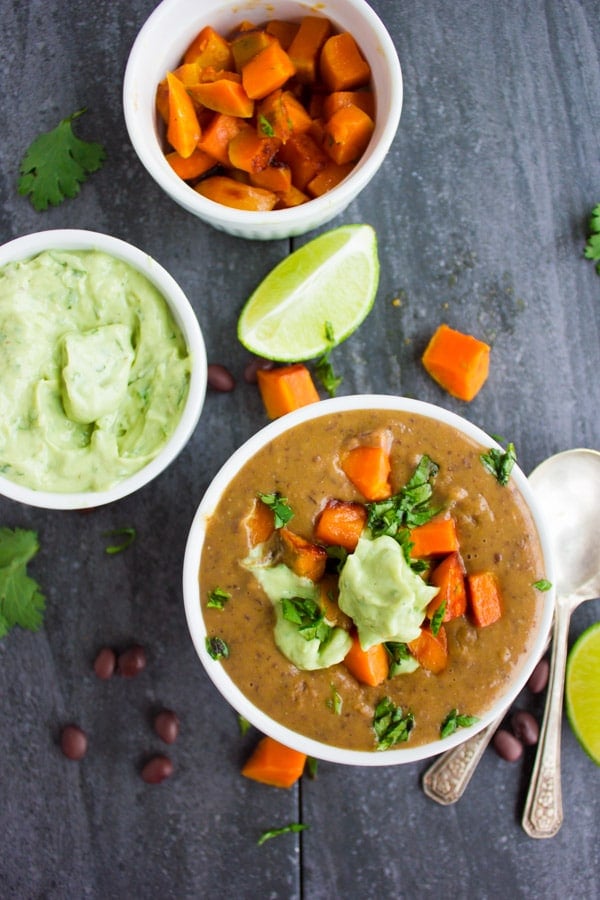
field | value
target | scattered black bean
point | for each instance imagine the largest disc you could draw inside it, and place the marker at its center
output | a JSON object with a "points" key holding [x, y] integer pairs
{"points": [[525, 727], [507, 746], [73, 742], [253, 366], [105, 663], [539, 677], [131, 661], [157, 769], [219, 378], [166, 725]]}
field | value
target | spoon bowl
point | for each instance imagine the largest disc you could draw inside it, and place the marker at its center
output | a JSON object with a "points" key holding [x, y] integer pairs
{"points": [[567, 488]]}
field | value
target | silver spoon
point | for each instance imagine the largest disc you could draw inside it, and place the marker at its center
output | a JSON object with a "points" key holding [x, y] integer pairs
{"points": [[567, 488], [447, 779]]}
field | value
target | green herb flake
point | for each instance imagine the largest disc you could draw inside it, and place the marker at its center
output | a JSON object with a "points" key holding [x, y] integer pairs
{"points": [[265, 126], [499, 463], [217, 648], [21, 601], [56, 163], [390, 724], [311, 767], [243, 725], [282, 512], [454, 720], [308, 616], [128, 533], [292, 828], [398, 652], [217, 598], [438, 618], [406, 509], [592, 247], [323, 367], [543, 584], [334, 702]]}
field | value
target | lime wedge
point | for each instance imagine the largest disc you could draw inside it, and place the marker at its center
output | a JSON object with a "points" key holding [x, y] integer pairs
{"points": [[332, 278], [582, 690]]}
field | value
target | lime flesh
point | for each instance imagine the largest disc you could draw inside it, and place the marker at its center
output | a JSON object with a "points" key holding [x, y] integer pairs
{"points": [[582, 690], [329, 283]]}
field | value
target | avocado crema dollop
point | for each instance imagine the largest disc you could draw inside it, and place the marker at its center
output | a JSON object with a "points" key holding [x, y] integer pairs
{"points": [[95, 372], [378, 590]]}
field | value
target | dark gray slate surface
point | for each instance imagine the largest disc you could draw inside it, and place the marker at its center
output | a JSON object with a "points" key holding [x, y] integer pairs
{"points": [[481, 211]]}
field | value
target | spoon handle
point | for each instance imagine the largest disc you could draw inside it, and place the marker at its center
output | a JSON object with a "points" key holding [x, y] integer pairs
{"points": [[446, 780], [543, 814]]}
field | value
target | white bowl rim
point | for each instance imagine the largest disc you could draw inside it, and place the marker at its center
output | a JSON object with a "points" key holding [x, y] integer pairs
{"points": [[65, 239], [299, 218], [192, 600]]}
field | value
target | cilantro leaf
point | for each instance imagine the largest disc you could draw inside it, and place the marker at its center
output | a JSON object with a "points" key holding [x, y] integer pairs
{"points": [[129, 535], [324, 369], [56, 163], [308, 616], [592, 247], [282, 511], [390, 724], [21, 601], [217, 648], [543, 584], [500, 462], [455, 720], [293, 828], [218, 598]]}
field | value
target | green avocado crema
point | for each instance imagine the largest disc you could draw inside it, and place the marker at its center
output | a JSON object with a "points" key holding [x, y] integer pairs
{"points": [[94, 375], [380, 592], [384, 597]]}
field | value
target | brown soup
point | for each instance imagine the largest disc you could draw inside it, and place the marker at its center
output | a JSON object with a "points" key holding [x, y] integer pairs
{"points": [[496, 533]]}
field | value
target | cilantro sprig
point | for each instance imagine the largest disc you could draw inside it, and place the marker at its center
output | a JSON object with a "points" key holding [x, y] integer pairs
{"points": [[56, 163], [292, 828], [323, 367], [391, 725], [592, 247], [455, 720], [21, 600], [282, 511], [499, 463], [308, 616]]}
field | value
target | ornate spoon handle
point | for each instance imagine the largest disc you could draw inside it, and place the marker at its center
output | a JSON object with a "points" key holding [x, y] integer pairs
{"points": [[446, 780]]}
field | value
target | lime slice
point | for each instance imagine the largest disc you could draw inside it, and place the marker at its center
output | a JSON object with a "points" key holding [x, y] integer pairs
{"points": [[332, 278], [582, 690]]}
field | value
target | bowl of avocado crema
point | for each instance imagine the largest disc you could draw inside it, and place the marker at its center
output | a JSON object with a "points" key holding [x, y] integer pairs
{"points": [[104, 369]]}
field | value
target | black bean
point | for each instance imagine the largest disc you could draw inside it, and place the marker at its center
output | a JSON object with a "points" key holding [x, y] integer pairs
{"points": [[105, 663], [166, 725], [507, 746], [157, 769], [131, 661], [253, 366], [219, 378], [525, 727], [73, 742], [539, 677]]}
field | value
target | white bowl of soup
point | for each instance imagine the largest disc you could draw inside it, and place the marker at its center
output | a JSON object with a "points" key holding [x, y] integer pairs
{"points": [[104, 372], [360, 585]]}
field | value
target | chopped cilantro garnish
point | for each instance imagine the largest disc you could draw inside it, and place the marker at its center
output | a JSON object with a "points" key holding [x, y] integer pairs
{"points": [[243, 724], [543, 584], [265, 126], [217, 598], [390, 724], [285, 829], [438, 618], [308, 616], [592, 247], [21, 601], [217, 648], [56, 163], [406, 509], [454, 720], [282, 511], [129, 535], [398, 652], [334, 702], [323, 367], [500, 462]]}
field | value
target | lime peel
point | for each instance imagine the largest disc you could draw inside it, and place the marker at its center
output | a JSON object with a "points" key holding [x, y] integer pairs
{"points": [[333, 278], [582, 690]]}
